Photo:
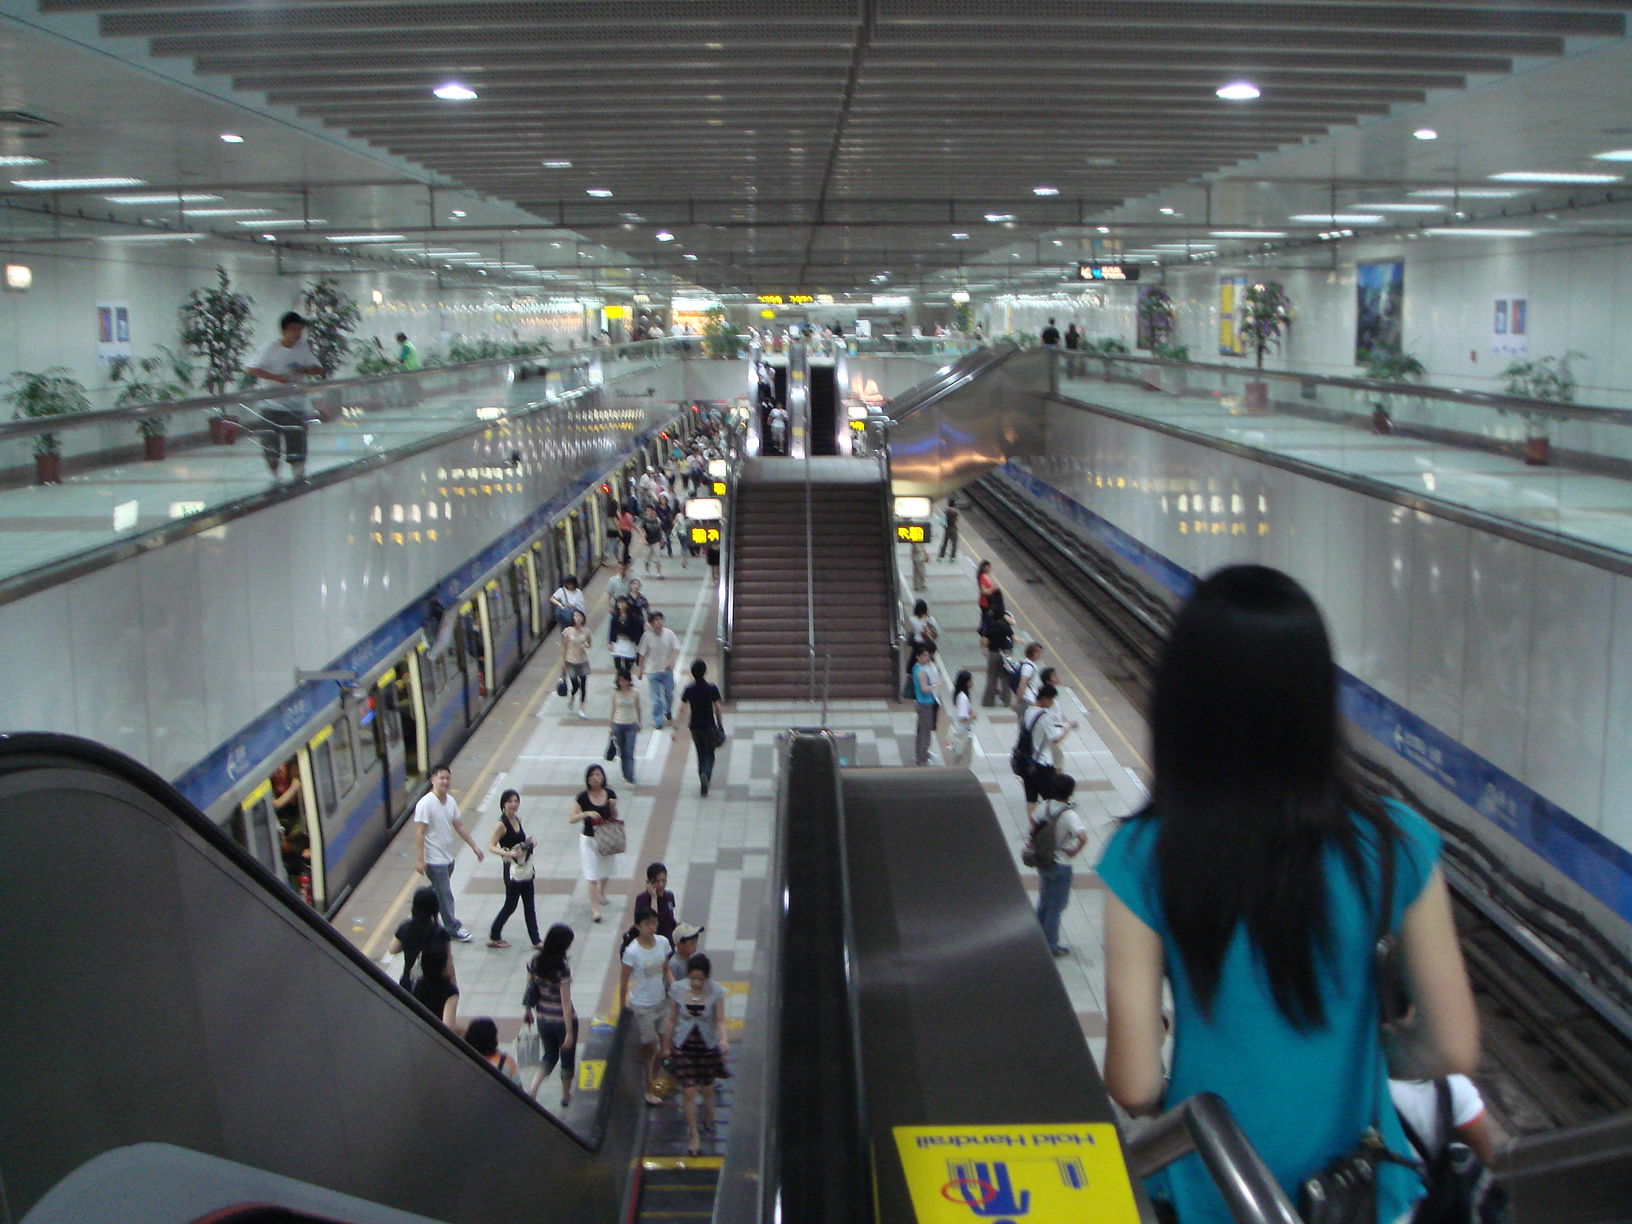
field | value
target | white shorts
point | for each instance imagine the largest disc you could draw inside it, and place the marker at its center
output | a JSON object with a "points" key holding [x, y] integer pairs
{"points": [[597, 866], [647, 1020]]}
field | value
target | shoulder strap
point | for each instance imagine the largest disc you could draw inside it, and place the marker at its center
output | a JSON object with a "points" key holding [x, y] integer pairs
{"points": [[1415, 1139], [1442, 1099]]}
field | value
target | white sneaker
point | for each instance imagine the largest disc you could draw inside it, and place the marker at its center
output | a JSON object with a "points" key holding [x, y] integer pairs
{"points": [[581, 713], [462, 935]]}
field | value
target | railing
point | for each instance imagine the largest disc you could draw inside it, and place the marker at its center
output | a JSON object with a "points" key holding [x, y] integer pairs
{"points": [[1204, 1125], [887, 497], [728, 569]]}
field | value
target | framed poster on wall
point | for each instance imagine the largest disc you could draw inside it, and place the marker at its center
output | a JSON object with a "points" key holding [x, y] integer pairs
{"points": [[1510, 327], [1379, 290], [1231, 289]]}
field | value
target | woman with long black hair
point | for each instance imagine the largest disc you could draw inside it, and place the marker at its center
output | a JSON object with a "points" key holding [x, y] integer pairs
{"points": [[1253, 882], [548, 999]]}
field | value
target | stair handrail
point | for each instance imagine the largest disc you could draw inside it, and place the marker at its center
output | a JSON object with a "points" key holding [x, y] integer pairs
{"points": [[727, 593], [886, 495], [1204, 1125], [799, 393]]}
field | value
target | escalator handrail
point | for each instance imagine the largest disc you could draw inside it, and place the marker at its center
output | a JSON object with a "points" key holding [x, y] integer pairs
{"points": [[728, 565], [35, 749], [957, 375], [1204, 1125]]}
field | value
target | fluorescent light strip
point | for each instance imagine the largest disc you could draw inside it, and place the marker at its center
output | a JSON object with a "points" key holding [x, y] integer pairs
{"points": [[154, 237], [1246, 233], [1406, 208], [19, 159], [1465, 193], [77, 184], [1459, 231], [1335, 218], [1615, 155], [162, 197], [283, 223], [229, 212], [364, 237], [1548, 176]]}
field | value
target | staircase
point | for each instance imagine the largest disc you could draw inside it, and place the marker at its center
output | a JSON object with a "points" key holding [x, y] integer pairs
{"points": [[851, 560]]}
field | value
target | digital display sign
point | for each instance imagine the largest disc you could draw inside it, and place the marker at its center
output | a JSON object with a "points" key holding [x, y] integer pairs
{"points": [[705, 535], [912, 533], [1107, 272], [719, 488]]}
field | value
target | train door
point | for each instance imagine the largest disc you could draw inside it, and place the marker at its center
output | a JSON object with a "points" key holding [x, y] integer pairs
{"points": [[390, 721], [472, 661], [274, 822], [583, 534], [533, 596], [516, 590], [596, 512], [484, 628], [255, 828], [416, 703], [328, 770]]}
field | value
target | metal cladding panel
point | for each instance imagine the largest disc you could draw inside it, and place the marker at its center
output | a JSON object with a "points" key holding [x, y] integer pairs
{"points": [[940, 446]]}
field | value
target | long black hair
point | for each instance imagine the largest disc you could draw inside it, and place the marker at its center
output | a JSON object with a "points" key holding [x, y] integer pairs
{"points": [[552, 955], [1251, 785]]}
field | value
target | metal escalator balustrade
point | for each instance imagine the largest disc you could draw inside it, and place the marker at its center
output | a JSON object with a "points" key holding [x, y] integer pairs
{"points": [[185, 997]]}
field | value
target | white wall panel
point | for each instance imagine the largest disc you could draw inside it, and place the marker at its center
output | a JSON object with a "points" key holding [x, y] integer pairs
{"points": [[229, 579], [1385, 642], [1501, 623], [1615, 821], [41, 683], [1341, 591], [1438, 621], [170, 647], [105, 635]]}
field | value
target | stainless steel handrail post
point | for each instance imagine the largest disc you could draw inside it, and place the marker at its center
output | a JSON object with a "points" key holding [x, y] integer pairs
{"points": [[727, 590], [1204, 1125], [887, 495]]}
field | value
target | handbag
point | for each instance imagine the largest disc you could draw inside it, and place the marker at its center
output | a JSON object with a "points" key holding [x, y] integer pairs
{"points": [[529, 1047], [611, 747], [610, 837], [561, 687], [522, 870], [719, 736], [1345, 1191]]}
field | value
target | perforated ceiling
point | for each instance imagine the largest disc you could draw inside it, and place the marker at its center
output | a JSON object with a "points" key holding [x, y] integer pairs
{"points": [[814, 144]]}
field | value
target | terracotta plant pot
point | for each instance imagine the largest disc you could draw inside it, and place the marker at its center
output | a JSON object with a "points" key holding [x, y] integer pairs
{"points": [[1381, 422], [224, 431], [1538, 450], [48, 469], [153, 448], [1257, 396]]}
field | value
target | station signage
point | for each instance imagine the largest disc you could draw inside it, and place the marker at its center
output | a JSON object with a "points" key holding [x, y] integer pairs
{"points": [[1107, 272], [912, 533], [705, 535]]}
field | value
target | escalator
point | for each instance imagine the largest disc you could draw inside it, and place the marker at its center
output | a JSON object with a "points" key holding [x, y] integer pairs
{"points": [[165, 989]]}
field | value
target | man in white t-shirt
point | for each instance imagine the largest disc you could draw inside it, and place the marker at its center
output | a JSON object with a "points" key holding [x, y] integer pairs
{"points": [[1047, 729], [436, 823], [645, 988], [1418, 1104], [1054, 879], [659, 651], [777, 419], [1030, 679], [288, 359]]}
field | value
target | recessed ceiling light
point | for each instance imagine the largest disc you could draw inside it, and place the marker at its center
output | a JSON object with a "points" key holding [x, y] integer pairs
{"points": [[688, 255], [1166, 212], [228, 212], [961, 237], [76, 184], [664, 236], [1239, 91], [995, 217], [269, 237], [231, 138], [1612, 155], [1469, 231], [1045, 191], [558, 164], [453, 91], [1415, 208], [1466, 193], [1335, 218], [458, 212], [284, 223], [1104, 229], [1550, 176], [1102, 161], [1058, 242], [19, 160], [160, 197], [600, 193], [363, 237], [1426, 134], [1247, 233]]}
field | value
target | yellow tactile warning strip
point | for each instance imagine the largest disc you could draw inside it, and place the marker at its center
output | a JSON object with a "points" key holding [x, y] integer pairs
{"points": [[658, 1163]]}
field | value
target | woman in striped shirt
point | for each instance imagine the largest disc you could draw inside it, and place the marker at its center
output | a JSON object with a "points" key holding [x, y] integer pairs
{"points": [[549, 994]]}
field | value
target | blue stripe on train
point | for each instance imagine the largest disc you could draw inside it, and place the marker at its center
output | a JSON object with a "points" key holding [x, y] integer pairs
{"points": [[1597, 864], [254, 745]]}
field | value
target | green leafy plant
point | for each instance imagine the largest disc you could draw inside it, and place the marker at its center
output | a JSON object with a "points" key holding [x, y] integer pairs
{"points": [[719, 338], [1171, 352], [331, 317], [161, 378], [1545, 378], [1266, 317], [1157, 313], [39, 396], [373, 360], [215, 326], [1104, 346], [1387, 363]]}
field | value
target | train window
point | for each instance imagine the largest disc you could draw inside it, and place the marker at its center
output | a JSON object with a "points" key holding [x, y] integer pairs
{"points": [[369, 734], [345, 757], [323, 778], [390, 717], [253, 829]]}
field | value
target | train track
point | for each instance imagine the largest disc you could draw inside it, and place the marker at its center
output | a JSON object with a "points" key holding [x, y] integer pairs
{"points": [[1555, 997]]}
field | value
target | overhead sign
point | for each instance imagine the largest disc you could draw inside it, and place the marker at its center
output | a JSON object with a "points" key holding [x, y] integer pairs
{"points": [[786, 299], [705, 535], [911, 533], [960, 1174], [1107, 272]]}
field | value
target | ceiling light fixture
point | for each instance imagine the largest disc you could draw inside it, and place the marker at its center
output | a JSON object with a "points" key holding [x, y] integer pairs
{"points": [[1335, 218], [664, 236], [77, 184], [600, 193], [1466, 193], [453, 91], [457, 213], [996, 217], [228, 212], [284, 223], [364, 237], [1239, 91], [1104, 229], [1045, 191], [1246, 233], [1550, 176], [18, 159], [1166, 212], [167, 237], [961, 237], [231, 138], [1611, 155], [1465, 231], [1426, 134], [1405, 208], [159, 197], [558, 164], [690, 256]]}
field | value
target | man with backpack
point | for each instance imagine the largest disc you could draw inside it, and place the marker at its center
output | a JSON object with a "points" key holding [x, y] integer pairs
{"points": [[1032, 759], [1057, 836], [1025, 681]]}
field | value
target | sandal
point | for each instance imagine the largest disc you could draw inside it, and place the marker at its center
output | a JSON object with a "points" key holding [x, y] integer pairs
{"points": [[566, 1099], [498, 943]]}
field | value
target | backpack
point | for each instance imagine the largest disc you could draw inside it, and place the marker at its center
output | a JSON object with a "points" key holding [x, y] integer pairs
{"points": [[1042, 847], [1021, 762], [1451, 1175], [1017, 674]]}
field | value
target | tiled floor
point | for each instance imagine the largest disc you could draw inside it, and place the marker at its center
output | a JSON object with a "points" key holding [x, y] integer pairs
{"points": [[1577, 505], [716, 847]]}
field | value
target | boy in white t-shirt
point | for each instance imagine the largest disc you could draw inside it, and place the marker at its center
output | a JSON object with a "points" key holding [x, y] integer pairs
{"points": [[645, 989], [288, 359], [1417, 1102]]}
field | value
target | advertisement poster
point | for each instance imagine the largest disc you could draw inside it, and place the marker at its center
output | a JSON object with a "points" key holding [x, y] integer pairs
{"points": [[112, 331], [1231, 289], [1510, 327], [1380, 307]]}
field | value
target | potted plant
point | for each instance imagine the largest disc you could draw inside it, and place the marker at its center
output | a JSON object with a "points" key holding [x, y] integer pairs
{"points": [[215, 326], [1387, 363], [719, 340], [1105, 347], [1158, 317], [1545, 378], [331, 317], [40, 396], [1266, 316], [164, 377]]}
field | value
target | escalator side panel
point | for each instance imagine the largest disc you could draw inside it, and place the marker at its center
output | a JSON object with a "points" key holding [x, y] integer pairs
{"points": [[164, 990], [964, 1019]]}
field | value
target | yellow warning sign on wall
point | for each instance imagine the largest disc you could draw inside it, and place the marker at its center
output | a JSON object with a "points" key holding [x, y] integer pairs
{"points": [[1025, 1174]]}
